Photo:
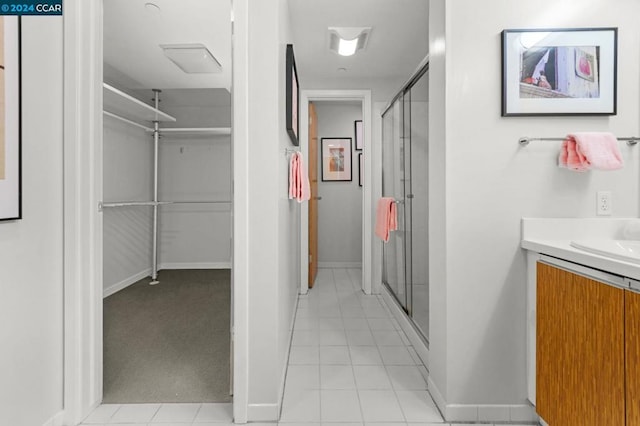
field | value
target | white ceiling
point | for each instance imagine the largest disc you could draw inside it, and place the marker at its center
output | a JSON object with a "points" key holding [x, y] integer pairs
{"points": [[398, 41], [133, 33]]}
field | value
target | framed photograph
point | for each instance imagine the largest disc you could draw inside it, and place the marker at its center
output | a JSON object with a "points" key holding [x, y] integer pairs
{"points": [[559, 71], [336, 159], [359, 135], [361, 175], [293, 96], [10, 119]]}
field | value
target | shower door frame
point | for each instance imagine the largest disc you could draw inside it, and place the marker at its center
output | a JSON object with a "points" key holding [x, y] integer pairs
{"points": [[406, 202]]}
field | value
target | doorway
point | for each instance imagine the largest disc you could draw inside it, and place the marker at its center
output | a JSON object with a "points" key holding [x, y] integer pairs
{"points": [[339, 185], [353, 97], [166, 202]]}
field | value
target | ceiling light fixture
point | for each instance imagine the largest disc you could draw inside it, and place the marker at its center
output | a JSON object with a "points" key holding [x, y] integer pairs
{"points": [[346, 41], [192, 58]]}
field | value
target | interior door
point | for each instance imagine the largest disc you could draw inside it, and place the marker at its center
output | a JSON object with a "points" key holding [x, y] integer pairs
{"points": [[313, 202]]}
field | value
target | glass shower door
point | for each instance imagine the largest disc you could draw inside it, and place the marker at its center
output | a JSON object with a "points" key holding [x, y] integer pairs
{"points": [[405, 177], [419, 204], [393, 270]]}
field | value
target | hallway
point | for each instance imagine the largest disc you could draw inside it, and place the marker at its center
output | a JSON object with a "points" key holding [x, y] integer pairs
{"points": [[349, 364], [349, 361]]}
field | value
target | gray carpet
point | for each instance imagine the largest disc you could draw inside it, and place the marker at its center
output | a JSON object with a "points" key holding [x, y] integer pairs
{"points": [[169, 342]]}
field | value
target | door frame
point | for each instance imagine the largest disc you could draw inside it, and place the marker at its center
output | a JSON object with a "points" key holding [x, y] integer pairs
{"points": [[82, 222], [370, 179], [82, 226]]}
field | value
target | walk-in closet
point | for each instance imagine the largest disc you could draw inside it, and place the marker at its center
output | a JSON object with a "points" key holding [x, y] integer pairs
{"points": [[167, 201]]}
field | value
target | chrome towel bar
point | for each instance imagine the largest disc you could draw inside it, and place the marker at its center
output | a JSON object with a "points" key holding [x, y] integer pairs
{"points": [[524, 141]]}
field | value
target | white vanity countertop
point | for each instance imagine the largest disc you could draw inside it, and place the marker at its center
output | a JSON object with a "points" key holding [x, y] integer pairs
{"points": [[553, 237]]}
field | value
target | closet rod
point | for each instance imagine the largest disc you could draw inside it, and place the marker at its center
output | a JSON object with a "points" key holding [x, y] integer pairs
{"points": [[102, 205], [524, 141], [194, 202], [208, 130], [126, 120]]}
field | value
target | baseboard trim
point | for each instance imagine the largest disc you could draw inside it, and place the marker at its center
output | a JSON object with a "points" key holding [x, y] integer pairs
{"points": [[262, 412], [114, 288], [339, 265], [521, 413], [283, 379], [56, 420], [195, 265], [407, 326], [437, 396]]}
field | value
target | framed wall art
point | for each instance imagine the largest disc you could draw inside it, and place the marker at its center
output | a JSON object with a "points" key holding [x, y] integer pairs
{"points": [[361, 169], [559, 71], [336, 159], [359, 134], [10, 119], [293, 96]]}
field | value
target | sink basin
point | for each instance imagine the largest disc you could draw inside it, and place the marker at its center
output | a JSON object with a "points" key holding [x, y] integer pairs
{"points": [[626, 250]]}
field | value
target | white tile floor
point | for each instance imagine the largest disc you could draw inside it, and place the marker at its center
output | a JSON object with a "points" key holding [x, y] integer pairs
{"points": [[350, 362], [161, 414], [350, 365]]}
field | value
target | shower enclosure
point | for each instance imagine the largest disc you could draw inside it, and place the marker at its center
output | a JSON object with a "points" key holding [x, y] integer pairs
{"points": [[405, 128]]}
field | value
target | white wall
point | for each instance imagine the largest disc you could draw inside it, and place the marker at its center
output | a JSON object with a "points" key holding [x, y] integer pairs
{"points": [[195, 168], [438, 367], [266, 222], [340, 210], [491, 182], [31, 249], [199, 115], [128, 176], [382, 89], [191, 168], [289, 212]]}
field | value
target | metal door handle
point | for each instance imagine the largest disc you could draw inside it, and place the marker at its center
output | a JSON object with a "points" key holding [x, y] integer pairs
{"points": [[318, 198]]}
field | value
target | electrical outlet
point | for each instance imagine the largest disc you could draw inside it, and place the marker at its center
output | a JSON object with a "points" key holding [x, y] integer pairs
{"points": [[604, 206]]}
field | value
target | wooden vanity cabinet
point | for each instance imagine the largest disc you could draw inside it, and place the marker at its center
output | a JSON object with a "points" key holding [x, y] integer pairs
{"points": [[580, 350], [632, 357]]}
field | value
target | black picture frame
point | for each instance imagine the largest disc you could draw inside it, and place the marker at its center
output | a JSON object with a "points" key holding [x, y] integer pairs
{"points": [[293, 97], [559, 71], [336, 159], [358, 131], [11, 140], [360, 169]]}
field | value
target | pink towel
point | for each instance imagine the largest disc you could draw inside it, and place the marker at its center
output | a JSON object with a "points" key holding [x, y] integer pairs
{"points": [[582, 151], [293, 176], [386, 218], [299, 187]]}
